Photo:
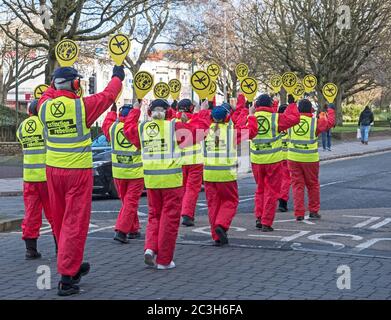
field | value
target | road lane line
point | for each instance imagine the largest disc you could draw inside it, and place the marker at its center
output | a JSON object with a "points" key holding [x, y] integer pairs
{"points": [[380, 224]]}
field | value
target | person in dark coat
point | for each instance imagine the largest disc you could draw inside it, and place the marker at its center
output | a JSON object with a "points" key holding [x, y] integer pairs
{"points": [[366, 118]]}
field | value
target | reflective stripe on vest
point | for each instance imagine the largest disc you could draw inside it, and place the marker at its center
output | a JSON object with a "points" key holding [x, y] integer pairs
{"points": [[161, 154], [303, 143], [125, 157], [220, 153], [285, 144], [266, 147], [68, 138], [31, 136]]}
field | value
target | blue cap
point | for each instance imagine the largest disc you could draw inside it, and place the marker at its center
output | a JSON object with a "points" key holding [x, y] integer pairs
{"points": [[33, 107], [185, 105], [125, 109], [264, 100], [159, 103], [66, 73], [219, 113]]}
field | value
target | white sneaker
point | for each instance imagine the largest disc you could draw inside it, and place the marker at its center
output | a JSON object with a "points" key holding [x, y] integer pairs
{"points": [[169, 266], [149, 258]]}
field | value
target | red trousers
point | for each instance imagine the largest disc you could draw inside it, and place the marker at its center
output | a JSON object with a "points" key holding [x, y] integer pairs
{"points": [[285, 181], [164, 215], [223, 201], [36, 197], [268, 180], [305, 174], [129, 191], [70, 194], [192, 181]]}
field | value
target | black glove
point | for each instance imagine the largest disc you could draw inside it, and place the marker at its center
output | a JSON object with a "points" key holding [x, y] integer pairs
{"points": [[174, 105], [119, 72], [291, 99], [331, 106], [114, 107], [248, 104]]}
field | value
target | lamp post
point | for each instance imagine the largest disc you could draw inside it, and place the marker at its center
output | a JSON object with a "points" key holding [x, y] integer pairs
{"points": [[17, 77]]}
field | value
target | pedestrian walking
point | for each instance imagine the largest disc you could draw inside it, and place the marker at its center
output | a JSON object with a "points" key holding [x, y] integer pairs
{"points": [[326, 135], [364, 122]]}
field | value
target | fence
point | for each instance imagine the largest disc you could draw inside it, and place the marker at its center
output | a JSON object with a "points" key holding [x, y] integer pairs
{"points": [[7, 133]]}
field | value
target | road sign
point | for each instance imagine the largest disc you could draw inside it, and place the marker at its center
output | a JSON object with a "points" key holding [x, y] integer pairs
{"points": [[213, 71], [310, 83], [119, 46], [39, 90], [276, 83], [161, 90], [241, 71], [200, 81], [67, 52], [175, 88], [289, 80], [330, 91], [249, 87], [143, 83]]}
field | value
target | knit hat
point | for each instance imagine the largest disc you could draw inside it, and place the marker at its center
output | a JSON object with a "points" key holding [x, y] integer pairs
{"points": [[185, 105], [159, 103], [305, 106], [33, 107], [219, 113], [264, 100], [63, 77], [282, 108], [125, 109]]}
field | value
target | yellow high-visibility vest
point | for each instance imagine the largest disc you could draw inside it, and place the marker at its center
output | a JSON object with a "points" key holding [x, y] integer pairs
{"points": [[285, 144], [266, 147], [160, 154], [125, 157], [303, 142], [31, 136], [192, 154], [220, 154], [68, 138]]}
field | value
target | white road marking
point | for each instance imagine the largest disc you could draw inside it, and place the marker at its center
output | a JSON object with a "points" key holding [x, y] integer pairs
{"points": [[306, 220], [369, 243], [100, 229], [139, 213], [380, 224], [331, 183], [364, 223]]}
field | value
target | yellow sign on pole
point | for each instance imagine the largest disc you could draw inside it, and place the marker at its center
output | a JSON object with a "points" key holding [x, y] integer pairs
{"points": [[289, 80], [161, 90], [330, 91], [241, 71], [212, 91], [39, 90], [213, 71], [200, 81], [80, 92], [276, 83], [119, 46], [249, 87], [175, 88], [310, 83], [143, 83], [67, 52], [298, 91]]}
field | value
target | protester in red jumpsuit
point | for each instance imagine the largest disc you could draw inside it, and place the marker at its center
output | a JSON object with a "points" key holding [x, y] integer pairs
{"points": [[305, 173], [129, 190], [70, 190], [35, 190], [164, 204]]}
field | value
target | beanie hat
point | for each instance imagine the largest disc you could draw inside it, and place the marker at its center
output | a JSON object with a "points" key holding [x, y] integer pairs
{"points": [[185, 105], [125, 109], [159, 103], [219, 113], [33, 107], [282, 108], [264, 100], [63, 78], [305, 106]]}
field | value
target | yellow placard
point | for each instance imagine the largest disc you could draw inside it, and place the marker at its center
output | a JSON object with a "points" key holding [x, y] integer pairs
{"points": [[67, 52], [175, 88], [161, 90], [142, 83], [310, 82], [200, 81], [39, 90], [119, 46], [241, 71], [289, 80], [80, 92], [212, 91], [330, 91], [249, 87], [276, 83], [298, 91], [213, 71]]}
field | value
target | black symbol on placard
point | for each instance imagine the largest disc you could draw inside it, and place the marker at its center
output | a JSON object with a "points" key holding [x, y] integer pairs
{"points": [[30, 126], [152, 130], [310, 82], [175, 85], [241, 70], [276, 81], [329, 90], [143, 81], [121, 139], [119, 44], [66, 50], [302, 128], [162, 90], [57, 109], [200, 80], [248, 86], [263, 125], [38, 92], [298, 91], [212, 88], [213, 70], [289, 80]]}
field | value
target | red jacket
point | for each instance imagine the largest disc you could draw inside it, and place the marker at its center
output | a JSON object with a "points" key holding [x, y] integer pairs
{"points": [[324, 123], [95, 105], [111, 117], [201, 122]]}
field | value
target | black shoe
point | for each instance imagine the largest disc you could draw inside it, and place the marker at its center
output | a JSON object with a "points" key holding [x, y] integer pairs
{"points": [[121, 237], [314, 215], [134, 235], [300, 218], [222, 234], [83, 271], [258, 224], [217, 243], [31, 249], [283, 205], [266, 229], [187, 221], [67, 289]]}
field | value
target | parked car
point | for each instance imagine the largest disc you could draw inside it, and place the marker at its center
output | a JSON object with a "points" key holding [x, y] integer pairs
{"points": [[103, 175], [100, 144]]}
